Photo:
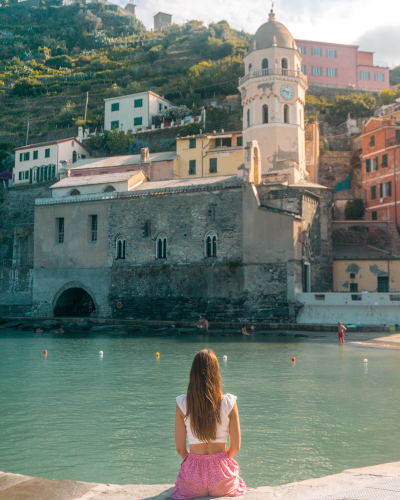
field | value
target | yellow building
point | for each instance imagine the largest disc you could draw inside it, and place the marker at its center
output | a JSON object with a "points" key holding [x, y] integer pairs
{"points": [[358, 268], [208, 155]]}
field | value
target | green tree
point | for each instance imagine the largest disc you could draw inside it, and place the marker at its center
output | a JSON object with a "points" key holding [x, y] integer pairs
{"points": [[358, 105], [387, 96], [27, 87]]}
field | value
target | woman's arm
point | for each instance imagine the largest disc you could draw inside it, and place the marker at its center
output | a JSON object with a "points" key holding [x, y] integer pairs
{"points": [[234, 432], [180, 433]]}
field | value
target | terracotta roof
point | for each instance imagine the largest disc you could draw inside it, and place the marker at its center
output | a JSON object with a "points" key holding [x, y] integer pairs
{"points": [[343, 251], [122, 161], [49, 143], [86, 180]]}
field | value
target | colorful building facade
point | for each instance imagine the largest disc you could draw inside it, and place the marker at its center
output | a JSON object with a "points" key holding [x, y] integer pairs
{"points": [[381, 169], [342, 66], [209, 155]]}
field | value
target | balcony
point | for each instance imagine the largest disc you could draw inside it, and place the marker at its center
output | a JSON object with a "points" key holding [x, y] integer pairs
{"points": [[394, 141], [272, 72]]}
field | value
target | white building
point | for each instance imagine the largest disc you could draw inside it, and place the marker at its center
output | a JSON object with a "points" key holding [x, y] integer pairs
{"points": [[42, 162], [134, 111]]}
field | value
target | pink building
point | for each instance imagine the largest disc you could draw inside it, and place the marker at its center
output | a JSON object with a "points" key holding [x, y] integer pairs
{"points": [[341, 66]]}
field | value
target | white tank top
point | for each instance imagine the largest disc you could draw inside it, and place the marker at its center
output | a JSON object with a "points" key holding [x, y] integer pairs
{"points": [[228, 402]]}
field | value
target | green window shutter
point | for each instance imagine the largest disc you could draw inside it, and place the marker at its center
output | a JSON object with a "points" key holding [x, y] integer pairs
{"points": [[389, 189], [368, 165], [240, 140], [30, 176], [384, 161], [373, 192], [54, 171], [381, 190]]}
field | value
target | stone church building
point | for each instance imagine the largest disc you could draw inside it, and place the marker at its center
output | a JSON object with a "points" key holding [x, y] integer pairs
{"points": [[231, 248]]}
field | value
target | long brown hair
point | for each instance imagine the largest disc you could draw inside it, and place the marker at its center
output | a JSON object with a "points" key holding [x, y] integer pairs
{"points": [[204, 396]]}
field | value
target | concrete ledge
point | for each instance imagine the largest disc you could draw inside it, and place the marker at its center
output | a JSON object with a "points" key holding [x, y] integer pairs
{"points": [[18, 487]]}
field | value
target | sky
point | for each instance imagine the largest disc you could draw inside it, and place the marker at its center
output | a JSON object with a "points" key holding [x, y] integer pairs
{"points": [[372, 24]]}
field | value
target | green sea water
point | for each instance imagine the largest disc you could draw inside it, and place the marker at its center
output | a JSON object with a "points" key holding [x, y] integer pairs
{"points": [[76, 416]]}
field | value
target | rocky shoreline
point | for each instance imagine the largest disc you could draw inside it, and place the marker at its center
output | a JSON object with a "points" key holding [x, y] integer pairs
{"points": [[166, 328], [366, 482]]}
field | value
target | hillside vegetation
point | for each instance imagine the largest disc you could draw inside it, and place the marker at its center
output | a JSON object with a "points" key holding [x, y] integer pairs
{"points": [[52, 56], [97, 50]]}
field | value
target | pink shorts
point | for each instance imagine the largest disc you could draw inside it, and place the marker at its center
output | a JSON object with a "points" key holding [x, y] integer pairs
{"points": [[208, 475]]}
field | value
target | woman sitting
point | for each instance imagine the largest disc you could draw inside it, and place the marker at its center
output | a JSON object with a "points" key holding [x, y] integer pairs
{"points": [[207, 418]]}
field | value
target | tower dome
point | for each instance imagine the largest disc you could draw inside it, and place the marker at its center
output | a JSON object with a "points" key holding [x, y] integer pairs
{"points": [[272, 34]]}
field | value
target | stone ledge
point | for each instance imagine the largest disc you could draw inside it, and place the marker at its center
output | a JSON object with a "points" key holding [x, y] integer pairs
{"points": [[18, 487]]}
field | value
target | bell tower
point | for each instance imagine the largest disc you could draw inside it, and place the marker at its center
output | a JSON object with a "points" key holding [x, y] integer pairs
{"points": [[273, 92]]}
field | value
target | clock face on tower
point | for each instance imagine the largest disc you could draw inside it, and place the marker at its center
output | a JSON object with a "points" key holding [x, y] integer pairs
{"points": [[287, 92]]}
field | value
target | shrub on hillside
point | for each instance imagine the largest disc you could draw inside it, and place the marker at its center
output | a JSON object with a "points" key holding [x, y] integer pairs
{"points": [[60, 62], [358, 105], [190, 129], [27, 87]]}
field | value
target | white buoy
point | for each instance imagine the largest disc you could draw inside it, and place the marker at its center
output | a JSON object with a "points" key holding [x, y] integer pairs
{"points": [[365, 360], [224, 357], [101, 353]]}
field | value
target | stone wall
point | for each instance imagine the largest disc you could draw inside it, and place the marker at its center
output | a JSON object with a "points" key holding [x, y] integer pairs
{"points": [[184, 292], [15, 290], [315, 207], [19, 202]]}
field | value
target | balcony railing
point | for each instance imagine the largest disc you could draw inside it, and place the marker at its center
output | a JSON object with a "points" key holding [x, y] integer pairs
{"points": [[394, 141], [271, 72]]}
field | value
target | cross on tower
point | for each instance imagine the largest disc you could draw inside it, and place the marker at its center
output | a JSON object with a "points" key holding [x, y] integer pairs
{"points": [[272, 5]]}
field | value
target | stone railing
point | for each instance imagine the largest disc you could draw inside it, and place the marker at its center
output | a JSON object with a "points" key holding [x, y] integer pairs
{"points": [[272, 72]]}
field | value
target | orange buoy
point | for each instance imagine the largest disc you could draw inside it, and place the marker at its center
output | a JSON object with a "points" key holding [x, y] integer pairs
{"points": [[45, 352], [157, 354], [293, 359]]}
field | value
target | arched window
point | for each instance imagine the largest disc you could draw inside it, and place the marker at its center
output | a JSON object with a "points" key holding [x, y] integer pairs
{"points": [[110, 189], [264, 64], [265, 114], [248, 118], [250, 67], [161, 249], [74, 157], [75, 192], [286, 113], [120, 246], [284, 66], [211, 244]]}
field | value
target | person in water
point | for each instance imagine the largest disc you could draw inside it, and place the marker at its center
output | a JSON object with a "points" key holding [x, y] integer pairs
{"points": [[207, 418]]}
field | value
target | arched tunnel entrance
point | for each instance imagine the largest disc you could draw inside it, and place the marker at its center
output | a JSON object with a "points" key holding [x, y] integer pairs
{"points": [[74, 302]]}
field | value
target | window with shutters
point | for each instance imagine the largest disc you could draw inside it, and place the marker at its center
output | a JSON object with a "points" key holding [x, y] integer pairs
{"points": [[386, 189], [375, 164], [93, 228], [60, 229], [302, 50], [239, 140], [331, 53], [138, 121], [368, 165], [192, 167], [304, 69], [213, 165], [138, 103], [384, 161], [373, 192], [316, 51], [316, 70], [35, 155], [331, 72], [379, 77], [115, 106], [115, 124], [365, 75], [192, 143], [374, 215], [372, 141], [286, 113]]}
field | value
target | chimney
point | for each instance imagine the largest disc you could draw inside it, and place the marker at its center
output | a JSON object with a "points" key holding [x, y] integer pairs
{"points": [[144, 154]]}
